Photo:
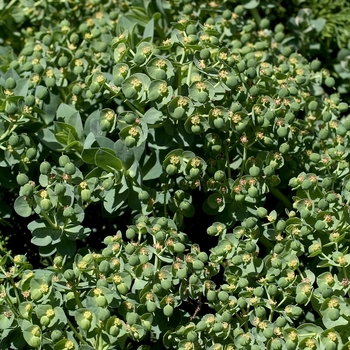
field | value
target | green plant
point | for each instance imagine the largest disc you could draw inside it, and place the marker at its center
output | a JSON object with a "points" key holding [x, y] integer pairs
{"points": [[204, 152]]}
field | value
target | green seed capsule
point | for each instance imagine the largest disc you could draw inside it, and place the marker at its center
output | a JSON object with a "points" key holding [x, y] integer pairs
{"points": [[211, 295], [168, 310], [85, 195], [69, 168], [178, 113], [101, 301], [85, 324], [179, 247], [223, 296], [151, 306], [204, 54], [63, 160], [343, 107], [11, 108], [34, 342], [333, 314], [45, 204], [10, 83], [130, 233], [130, 141], [312, 106], [94, 87], [22, 179], [45, 168], [202, 96], [27, 190], [330, 81]]}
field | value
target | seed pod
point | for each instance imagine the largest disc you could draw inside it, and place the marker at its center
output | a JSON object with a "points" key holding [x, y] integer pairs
{"points": [[130, 141], [144, 196], [130, 233], [56, 335], [168, 310], [202, 96], [63, 160], [171, 169], [22, 179], [198, 265], [27, 190], [85, 324], [329, 81], [10, 83], [101, 301], [333, 314], [36, 294], [85, 195], [29, 100], [94, 87], [103, 315], [105, 125], [11, 108], [151, 306], [34, 341], [211, 295], [179, 247], [13, 140], [69, 168], [45, 204], [223, 296], [45, 168], [203, 256]]}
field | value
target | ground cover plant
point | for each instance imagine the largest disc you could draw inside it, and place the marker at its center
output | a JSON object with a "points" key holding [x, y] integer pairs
{"points": [[182, 172]]}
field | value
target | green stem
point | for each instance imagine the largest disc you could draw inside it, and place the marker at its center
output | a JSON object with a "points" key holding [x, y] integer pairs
{"points": [[76, 332], [256, 16], [228, 162], [119, 93], [77, 299], [50, 222], [280, 196], [7, 132], [9, 5], [243, 161], [188, 80], [13, 308]]}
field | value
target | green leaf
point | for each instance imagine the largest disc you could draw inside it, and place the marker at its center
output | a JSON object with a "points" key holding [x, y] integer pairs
{"points": [[22, 207], [250, 4], [65, 133], [44, 236], [153, 116], [115, 198], [107, 161], [6, 322], [50, 104], [148, 32]]}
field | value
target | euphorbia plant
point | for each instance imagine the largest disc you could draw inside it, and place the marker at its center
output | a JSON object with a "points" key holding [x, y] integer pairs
{"points": [[194, 125]]}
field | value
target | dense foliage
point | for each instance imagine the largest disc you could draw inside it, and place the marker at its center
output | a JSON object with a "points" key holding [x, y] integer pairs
{"points": [[182, 172]]}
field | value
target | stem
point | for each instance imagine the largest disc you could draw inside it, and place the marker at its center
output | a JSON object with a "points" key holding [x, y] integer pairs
{"points": [[77, 299], [243, 161], [228, 162], [188, 80], [280, 196], [7, 132], [10, 4], [118, 93], [50, 222], [75, 332], [12, 307], [256, 16]]}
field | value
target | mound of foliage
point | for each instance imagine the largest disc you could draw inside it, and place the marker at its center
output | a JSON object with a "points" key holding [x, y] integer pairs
{"points": [[182, 171]]}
